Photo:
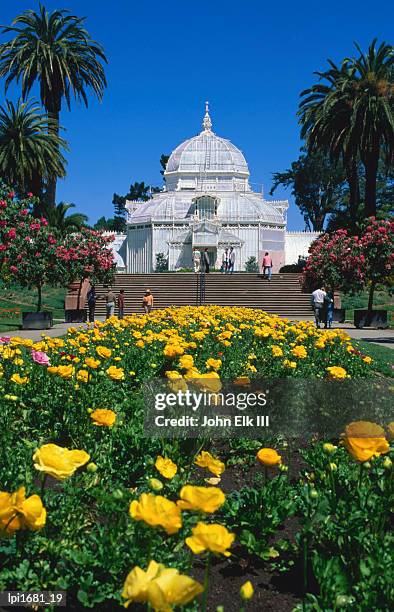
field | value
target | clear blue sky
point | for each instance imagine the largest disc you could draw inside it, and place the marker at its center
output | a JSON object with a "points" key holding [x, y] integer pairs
{"points": [[250, 59]]}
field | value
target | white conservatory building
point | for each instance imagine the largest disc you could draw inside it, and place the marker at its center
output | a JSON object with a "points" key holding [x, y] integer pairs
{"points": [[206, 203]]}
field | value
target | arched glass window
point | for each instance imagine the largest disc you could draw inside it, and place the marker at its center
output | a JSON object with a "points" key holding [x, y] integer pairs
{"points": [[206, 207]]}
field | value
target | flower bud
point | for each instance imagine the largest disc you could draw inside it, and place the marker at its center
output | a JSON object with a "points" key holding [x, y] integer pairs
{"points": [[155, 484], [246, 591]]}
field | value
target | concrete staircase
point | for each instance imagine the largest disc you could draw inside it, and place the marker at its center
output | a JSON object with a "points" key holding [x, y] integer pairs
{"points": [[282, 295]]}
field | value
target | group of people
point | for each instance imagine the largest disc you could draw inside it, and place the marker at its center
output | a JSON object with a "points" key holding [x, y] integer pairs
{"points": [[322, 303], [201, 262], [112, 300]]}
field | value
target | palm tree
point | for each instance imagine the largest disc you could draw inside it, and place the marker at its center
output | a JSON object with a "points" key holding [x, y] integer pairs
{"points": [[29, 149], [57, 217], [351, 116], [373, 113], [55, 50], [325, 115]]}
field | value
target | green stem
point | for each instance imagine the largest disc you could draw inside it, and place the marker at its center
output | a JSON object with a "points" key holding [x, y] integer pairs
{"points": [[43, 481], [206, 584], [305, 568]]}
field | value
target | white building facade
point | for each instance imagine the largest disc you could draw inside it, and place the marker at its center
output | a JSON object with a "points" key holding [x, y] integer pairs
{"points": [[207, 203]]}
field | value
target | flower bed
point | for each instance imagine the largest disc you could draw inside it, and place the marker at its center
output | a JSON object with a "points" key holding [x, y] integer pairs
{"points": [[91, 506]]}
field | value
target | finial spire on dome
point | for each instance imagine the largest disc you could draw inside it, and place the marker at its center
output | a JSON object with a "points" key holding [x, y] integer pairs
{"points": [[207, 123]]}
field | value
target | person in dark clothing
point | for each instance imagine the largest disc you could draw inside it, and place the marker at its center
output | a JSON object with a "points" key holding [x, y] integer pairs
{"points": [[206, 261], [121, 304], [92, 299], [328, 310]]}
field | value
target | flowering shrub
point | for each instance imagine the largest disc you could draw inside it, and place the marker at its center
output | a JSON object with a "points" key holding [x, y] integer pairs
{"points": [[86, 254], [349, 263], [92, 506]]}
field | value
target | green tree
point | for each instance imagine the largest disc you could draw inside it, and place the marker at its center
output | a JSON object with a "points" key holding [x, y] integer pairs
{"points": [[55, 50], [104, 224], [58, 218], [350, 115], [317, 187], [29, 151]]}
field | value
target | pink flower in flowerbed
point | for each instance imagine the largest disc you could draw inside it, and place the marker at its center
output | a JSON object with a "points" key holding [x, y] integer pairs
{"points": [[40, 357]]}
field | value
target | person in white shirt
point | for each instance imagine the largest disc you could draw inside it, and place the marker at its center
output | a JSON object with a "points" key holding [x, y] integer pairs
{"points": [[318, 297], [196, 260], [231, 261]]}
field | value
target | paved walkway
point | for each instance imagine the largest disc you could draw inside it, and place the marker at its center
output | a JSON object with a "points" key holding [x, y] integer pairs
{"points": [[383, 337]]}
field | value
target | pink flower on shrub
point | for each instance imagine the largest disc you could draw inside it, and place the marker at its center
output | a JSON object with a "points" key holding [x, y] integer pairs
{"points": [[40, 357]]}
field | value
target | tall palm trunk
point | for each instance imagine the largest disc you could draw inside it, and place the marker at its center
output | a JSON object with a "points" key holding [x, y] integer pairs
{"points": [[52, 181], [354, 190], [371, 162]]}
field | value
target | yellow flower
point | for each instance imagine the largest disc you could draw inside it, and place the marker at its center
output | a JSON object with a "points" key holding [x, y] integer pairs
{"points": [[103, 352], [336, 372], [365, 440], [186, 362], [299, 351], [329, 448], [65, 371], [241, 381], [214, 465], [157, 511], [115, 373], [172, 350], [59, 462], [214, 538], [19, 380], [209, 381], [276, 351], [246, 591], [214, 364], [201, 499], [92, 363], [103, 417], [166, 467], [269, 457], [160, 587], [17, 512], [83, 375]]}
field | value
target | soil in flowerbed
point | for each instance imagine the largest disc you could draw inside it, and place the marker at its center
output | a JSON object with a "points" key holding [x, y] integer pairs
{"points": [[274, 592]]}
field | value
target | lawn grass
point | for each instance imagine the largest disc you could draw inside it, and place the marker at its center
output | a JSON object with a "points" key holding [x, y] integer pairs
{"points": [[383, 300], [383, 357], [15, 300]]}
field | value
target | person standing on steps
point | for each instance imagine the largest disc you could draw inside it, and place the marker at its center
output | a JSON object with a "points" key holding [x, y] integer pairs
{"points": [[196, 260], [267, 266], [110, 300], [92, 299], [231, 260], [121, 304], [317, 300], [224, 262], [147, 301], [206, 261]]}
